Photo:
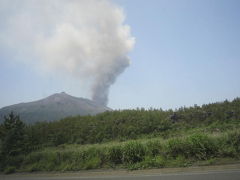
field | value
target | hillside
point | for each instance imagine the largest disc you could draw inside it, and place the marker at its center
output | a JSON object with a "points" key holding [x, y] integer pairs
{"points": [[54, 107], [133, 139], [132, 124]]}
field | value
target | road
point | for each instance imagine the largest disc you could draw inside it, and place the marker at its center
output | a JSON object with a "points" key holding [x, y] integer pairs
{"points": [[175, 174]]}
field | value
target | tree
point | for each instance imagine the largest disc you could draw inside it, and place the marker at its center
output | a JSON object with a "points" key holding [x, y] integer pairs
{"points": [[12, 139]]}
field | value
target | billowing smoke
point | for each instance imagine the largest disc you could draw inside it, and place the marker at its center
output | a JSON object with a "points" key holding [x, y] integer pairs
{"points": [[85, 38]]}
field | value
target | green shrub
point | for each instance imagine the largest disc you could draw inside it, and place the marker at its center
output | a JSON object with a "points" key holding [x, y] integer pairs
{"points": [[92, 163], [233, 139], [67, 156], [32, 168], [201, 146], [9, 170], [32, 157], [154, 148], [115, 154], [176, 147], [229, 145], [197, 146], [133, 152], [179, 161], [150, 162], [136, 154]]}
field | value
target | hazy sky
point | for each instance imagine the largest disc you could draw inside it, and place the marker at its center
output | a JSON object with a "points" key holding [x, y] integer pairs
{"points": [[186, 52]]}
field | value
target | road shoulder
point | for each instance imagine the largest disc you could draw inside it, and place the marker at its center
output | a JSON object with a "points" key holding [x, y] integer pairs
{"points": [[121, 172]]}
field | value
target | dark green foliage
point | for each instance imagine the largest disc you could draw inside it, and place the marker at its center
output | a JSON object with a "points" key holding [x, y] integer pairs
{"points": [[132, 124], [116, 125], [115, 154], [9, 170], [201, 146], [169, 139], [133, 152], [234, 140], [229, 145], [196, 146], [12, 136], [13, 139], [177, 147], [149, 162], [154, 147]]}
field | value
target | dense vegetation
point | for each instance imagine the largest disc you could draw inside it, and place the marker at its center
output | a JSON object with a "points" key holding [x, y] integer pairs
{"points": [[128, 138]]}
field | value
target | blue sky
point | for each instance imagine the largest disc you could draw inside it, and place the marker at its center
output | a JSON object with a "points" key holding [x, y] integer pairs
{"points": [[186, 52]]}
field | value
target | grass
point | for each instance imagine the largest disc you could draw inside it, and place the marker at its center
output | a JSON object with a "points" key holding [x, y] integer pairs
{"points": [[138, 154], [9, 170]]}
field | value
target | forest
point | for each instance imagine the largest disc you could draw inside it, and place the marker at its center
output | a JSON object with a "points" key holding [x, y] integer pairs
{"points": [[132, 139]]}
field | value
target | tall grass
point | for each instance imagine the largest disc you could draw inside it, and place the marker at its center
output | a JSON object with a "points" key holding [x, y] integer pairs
{"points": [[136, 154]]}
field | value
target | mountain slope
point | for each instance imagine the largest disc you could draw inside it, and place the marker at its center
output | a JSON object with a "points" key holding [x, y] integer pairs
{"points": [[54, 107]]}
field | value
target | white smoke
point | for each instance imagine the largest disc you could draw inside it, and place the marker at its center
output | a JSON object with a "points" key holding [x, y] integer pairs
{"points": [[85, 38]]}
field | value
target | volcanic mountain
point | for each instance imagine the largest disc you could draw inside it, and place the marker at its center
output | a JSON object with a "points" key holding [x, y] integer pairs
{"points": [[54, 107]]}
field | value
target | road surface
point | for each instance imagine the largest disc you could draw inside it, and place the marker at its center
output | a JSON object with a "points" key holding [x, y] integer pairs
{"points": [[200, 173]]}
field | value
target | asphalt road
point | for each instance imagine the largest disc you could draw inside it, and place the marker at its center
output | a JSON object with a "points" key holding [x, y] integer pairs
{"points": [[176, 174]]}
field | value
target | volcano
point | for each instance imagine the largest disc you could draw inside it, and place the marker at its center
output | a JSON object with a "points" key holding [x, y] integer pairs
{"points": [[52, 108]]}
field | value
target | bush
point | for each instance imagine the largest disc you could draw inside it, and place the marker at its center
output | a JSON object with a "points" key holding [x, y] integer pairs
{"points": [[32, 157], [137, 154], [233, 139], [177, 147], [149, 162], [115, 154], [197, 146], [201, 146], [93, 163], [154, 148], [229, 145], [9, 170], [133, 152], [179, 161]]}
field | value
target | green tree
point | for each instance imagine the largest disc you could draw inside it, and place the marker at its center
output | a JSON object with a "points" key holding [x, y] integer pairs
{"points": [[12, 139]]}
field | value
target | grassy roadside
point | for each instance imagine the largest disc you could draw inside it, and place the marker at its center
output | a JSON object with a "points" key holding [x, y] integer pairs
{"points": [[194, 149]]}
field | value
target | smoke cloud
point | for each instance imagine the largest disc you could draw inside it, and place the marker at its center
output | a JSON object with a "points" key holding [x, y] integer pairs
{"points": [[83, 38]]}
